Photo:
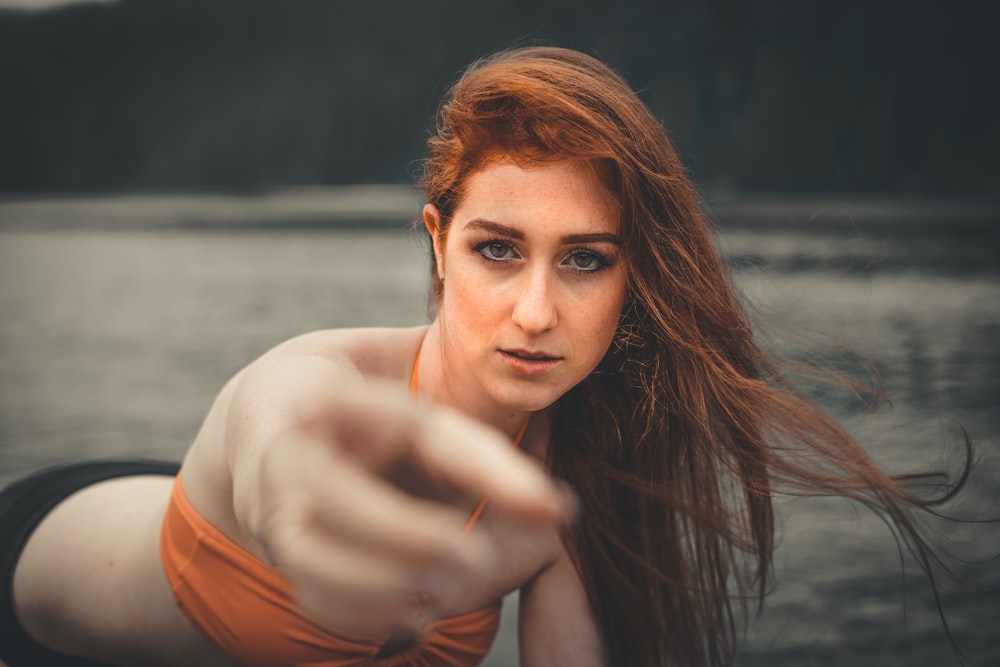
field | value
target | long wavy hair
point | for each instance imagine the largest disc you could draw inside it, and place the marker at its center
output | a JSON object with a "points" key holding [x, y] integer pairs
{"points": [[679, 439]]}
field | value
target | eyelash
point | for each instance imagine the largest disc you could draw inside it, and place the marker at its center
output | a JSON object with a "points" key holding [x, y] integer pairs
{"points": [[602, 262]]}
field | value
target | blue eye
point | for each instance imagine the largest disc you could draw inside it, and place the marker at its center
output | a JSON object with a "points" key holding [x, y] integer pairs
{"points": [[586, 261], [495, 251]]}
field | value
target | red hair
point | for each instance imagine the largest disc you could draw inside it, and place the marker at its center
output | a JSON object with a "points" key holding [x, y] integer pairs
{"points": [[678, 440]]}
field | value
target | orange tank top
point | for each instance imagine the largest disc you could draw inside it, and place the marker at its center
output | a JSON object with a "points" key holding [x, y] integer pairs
{"points": [[249, 610]]}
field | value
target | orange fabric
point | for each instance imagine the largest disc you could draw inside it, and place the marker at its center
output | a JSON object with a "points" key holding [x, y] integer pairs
{"points": [[249, 610]]}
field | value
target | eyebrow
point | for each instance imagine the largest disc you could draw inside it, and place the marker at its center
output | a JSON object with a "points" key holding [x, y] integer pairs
{"points": [[503, 230]]}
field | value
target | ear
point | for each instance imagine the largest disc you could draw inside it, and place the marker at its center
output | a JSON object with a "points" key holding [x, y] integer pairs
{"points": [[432, 221]]}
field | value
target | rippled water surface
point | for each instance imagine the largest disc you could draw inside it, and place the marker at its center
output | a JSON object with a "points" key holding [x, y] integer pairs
{"points": [[114, 342]]}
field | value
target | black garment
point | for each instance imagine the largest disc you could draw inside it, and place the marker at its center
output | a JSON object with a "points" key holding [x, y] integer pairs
{"points": [[23, 505]]}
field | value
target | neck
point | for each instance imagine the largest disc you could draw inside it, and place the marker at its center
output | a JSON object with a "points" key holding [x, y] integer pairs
{"points": [[440, 382]]}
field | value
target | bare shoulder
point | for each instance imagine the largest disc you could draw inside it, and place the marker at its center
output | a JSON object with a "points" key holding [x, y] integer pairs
{"points": [[374, 352], [258, 402]]}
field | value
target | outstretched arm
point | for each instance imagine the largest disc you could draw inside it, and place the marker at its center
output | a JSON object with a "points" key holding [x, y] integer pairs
{"points": [[320, 458]]}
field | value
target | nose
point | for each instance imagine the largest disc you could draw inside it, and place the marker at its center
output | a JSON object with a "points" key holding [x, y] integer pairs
{"points": [[535, 309]]}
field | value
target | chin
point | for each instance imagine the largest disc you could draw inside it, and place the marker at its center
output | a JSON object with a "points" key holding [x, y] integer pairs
{"points": [[529, 400]]}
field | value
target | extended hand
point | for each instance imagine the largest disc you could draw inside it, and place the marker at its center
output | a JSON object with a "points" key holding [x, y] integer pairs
{"points": [[363, 552]]}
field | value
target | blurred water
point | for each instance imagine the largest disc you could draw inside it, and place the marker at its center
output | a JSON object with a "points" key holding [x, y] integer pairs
{"points": [[114, 341], [924, 305]]}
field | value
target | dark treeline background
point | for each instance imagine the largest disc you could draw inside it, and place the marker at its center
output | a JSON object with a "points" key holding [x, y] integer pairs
{"points": [[854, 96]]}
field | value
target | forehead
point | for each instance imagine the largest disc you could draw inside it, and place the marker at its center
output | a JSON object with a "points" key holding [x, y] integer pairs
{"points": [[561, 193]]}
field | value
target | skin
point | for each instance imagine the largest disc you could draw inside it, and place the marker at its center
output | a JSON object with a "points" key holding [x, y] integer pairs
{"points": [[305, 457], [530, 266]]}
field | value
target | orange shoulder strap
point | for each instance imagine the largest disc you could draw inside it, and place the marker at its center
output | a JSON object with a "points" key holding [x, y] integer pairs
{"points": [[415, 391]]}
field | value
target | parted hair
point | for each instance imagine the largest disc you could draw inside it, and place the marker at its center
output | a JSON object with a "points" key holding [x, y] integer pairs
{"points": [[678, 441]]}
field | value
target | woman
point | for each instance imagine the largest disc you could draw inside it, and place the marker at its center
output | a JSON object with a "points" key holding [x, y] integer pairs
{"points": [[352, 497]]}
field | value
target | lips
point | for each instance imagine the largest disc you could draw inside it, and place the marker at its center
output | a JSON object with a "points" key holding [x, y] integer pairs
{"points": [[529, 362], [530, 356]]}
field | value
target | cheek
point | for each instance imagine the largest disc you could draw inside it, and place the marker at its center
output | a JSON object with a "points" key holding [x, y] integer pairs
{"points": [[599, 321], [609, 324], [467, 302]]}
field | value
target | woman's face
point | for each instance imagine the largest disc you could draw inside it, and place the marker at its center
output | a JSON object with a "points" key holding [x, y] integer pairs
{"points": [[533, 282]]}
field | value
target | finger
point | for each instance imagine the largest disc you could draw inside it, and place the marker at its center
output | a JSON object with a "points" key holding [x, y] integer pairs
{"points": [[473, 457], [336, 570], [481, 461], [356, 507], [372, 421], [352, 589], [380, 424]]}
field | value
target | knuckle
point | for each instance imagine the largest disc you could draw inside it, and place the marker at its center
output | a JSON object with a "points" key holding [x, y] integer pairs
{"points": [[283, 533]]}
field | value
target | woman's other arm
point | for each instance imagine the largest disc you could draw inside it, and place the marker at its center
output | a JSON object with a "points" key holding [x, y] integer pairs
{"points": [[555, 623]]}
